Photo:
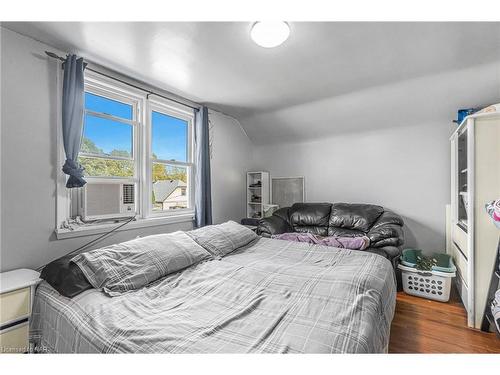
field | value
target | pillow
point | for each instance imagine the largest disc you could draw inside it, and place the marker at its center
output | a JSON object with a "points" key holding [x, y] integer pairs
{"points": [[133, 264], [224, 238], [65, 277]]}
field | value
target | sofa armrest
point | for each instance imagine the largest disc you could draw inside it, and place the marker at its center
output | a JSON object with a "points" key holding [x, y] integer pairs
{"points": [[386, 235], [391, 251], [388, 217], [273, 225], [387, 231]]}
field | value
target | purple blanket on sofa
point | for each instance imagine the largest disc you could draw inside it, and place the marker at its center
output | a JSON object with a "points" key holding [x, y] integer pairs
{"points": [[352, 243]]}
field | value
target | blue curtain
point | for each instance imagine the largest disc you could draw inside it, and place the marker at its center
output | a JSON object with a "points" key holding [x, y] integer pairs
{"points": [[202, 188], [72, 118]]}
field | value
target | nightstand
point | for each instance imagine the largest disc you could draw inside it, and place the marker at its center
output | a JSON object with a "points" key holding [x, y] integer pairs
{"points": [[17, 289]]}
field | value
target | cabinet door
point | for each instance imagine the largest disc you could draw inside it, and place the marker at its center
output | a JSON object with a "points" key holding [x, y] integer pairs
{"points": [[461, 179], [14, 305], [453, 177], [15, 339]]}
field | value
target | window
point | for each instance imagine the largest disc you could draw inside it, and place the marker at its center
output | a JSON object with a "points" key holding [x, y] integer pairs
{"points": [[171, 159], [169, 137], [142, 144], [107, 148]]}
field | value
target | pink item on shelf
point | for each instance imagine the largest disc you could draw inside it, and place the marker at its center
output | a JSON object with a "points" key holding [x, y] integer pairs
{"points": [[496, 210]]}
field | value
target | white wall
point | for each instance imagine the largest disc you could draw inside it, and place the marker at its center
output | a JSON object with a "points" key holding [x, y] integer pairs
{"points": [[387, 145], [28, 161], [231, 158], [405, 169]]}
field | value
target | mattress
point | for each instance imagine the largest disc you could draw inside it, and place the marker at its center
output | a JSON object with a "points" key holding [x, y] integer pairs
{"points": [[270, 296]]}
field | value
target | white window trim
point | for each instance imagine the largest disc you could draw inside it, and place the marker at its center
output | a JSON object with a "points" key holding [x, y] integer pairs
{"points": [[175, 110], [94, 229], [142, 107]]}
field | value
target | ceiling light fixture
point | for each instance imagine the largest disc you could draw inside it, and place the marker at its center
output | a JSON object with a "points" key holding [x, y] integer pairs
{"points": [[269, 34]]}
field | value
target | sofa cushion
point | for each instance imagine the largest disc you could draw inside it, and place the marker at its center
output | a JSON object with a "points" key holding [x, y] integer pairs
{"points": [[319, 231], [354, 215], [345, 232], [310, 214]]}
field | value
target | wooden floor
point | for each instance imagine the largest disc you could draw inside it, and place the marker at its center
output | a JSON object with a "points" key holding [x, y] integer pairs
{"points": [[423, 326]]}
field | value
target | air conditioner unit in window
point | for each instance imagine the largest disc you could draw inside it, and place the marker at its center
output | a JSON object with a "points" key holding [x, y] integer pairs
{"points": [[107, 201]]}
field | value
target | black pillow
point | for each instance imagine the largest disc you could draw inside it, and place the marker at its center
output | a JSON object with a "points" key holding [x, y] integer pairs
{"points": [[65, 277]]}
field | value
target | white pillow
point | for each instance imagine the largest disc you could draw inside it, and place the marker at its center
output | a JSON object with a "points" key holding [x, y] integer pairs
{"points": [[224, 238], [133, 264]]}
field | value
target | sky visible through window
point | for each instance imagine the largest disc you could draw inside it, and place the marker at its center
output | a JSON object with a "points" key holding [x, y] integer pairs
{"points": [[169, 133], [169, 137]]}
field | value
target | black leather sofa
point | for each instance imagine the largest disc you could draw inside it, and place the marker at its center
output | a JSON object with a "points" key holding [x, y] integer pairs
{"points": [[384, 228]]}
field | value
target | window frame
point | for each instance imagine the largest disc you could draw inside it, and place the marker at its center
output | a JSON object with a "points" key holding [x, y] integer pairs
{"points": [[142, 106], [131, 123], [171, 109], [116, 93]]}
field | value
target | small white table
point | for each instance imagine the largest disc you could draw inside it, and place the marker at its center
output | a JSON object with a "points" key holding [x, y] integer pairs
{"points": [[17, 289]]}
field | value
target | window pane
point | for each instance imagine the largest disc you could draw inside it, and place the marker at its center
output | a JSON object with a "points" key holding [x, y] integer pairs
{"points": [[99, 167], [101, 104], [170, 189], [169, 137], [106, 137]]}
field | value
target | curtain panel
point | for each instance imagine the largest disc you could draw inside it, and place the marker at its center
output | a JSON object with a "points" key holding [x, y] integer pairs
{"points": [[203, 194], [72, 119]]}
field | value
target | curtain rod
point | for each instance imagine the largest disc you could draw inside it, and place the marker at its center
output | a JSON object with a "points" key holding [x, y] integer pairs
{"points": [[149, 92]]}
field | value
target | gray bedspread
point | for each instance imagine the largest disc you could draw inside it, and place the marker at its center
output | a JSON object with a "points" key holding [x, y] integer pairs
{"points": [[270, 296]]}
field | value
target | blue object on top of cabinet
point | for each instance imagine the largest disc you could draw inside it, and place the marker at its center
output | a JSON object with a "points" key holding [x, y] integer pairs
{"points": [[463, 113]]}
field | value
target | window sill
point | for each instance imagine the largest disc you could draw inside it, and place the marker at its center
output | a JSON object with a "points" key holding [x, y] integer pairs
{"points": [[63, 233]]}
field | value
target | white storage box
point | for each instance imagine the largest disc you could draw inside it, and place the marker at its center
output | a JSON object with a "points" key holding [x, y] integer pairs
{"points": [[427, 284]]}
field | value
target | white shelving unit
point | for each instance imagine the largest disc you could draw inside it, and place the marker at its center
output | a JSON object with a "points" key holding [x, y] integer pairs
{"points": [[258, 193], [471, 237]]}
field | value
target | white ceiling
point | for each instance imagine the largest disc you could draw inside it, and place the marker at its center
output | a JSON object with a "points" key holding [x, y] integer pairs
{"points": [[218, 64]]}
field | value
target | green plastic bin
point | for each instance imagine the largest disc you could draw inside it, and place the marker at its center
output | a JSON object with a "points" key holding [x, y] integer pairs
{"points": [[444, 261]]}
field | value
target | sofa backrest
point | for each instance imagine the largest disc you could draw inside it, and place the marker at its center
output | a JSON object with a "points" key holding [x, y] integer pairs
{"points": [[325, 219], [355, 216], [310, 217], [383, 227]]}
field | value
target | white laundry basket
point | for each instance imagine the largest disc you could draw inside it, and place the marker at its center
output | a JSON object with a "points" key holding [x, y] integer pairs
{"points": [[428, 284]]}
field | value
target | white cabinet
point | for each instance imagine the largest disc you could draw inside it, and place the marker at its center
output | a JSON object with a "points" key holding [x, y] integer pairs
{"points": [[17, 289], [475, 180]]}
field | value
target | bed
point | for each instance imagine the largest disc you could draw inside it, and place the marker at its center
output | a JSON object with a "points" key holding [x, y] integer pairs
{"points": [[269, 296]]}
